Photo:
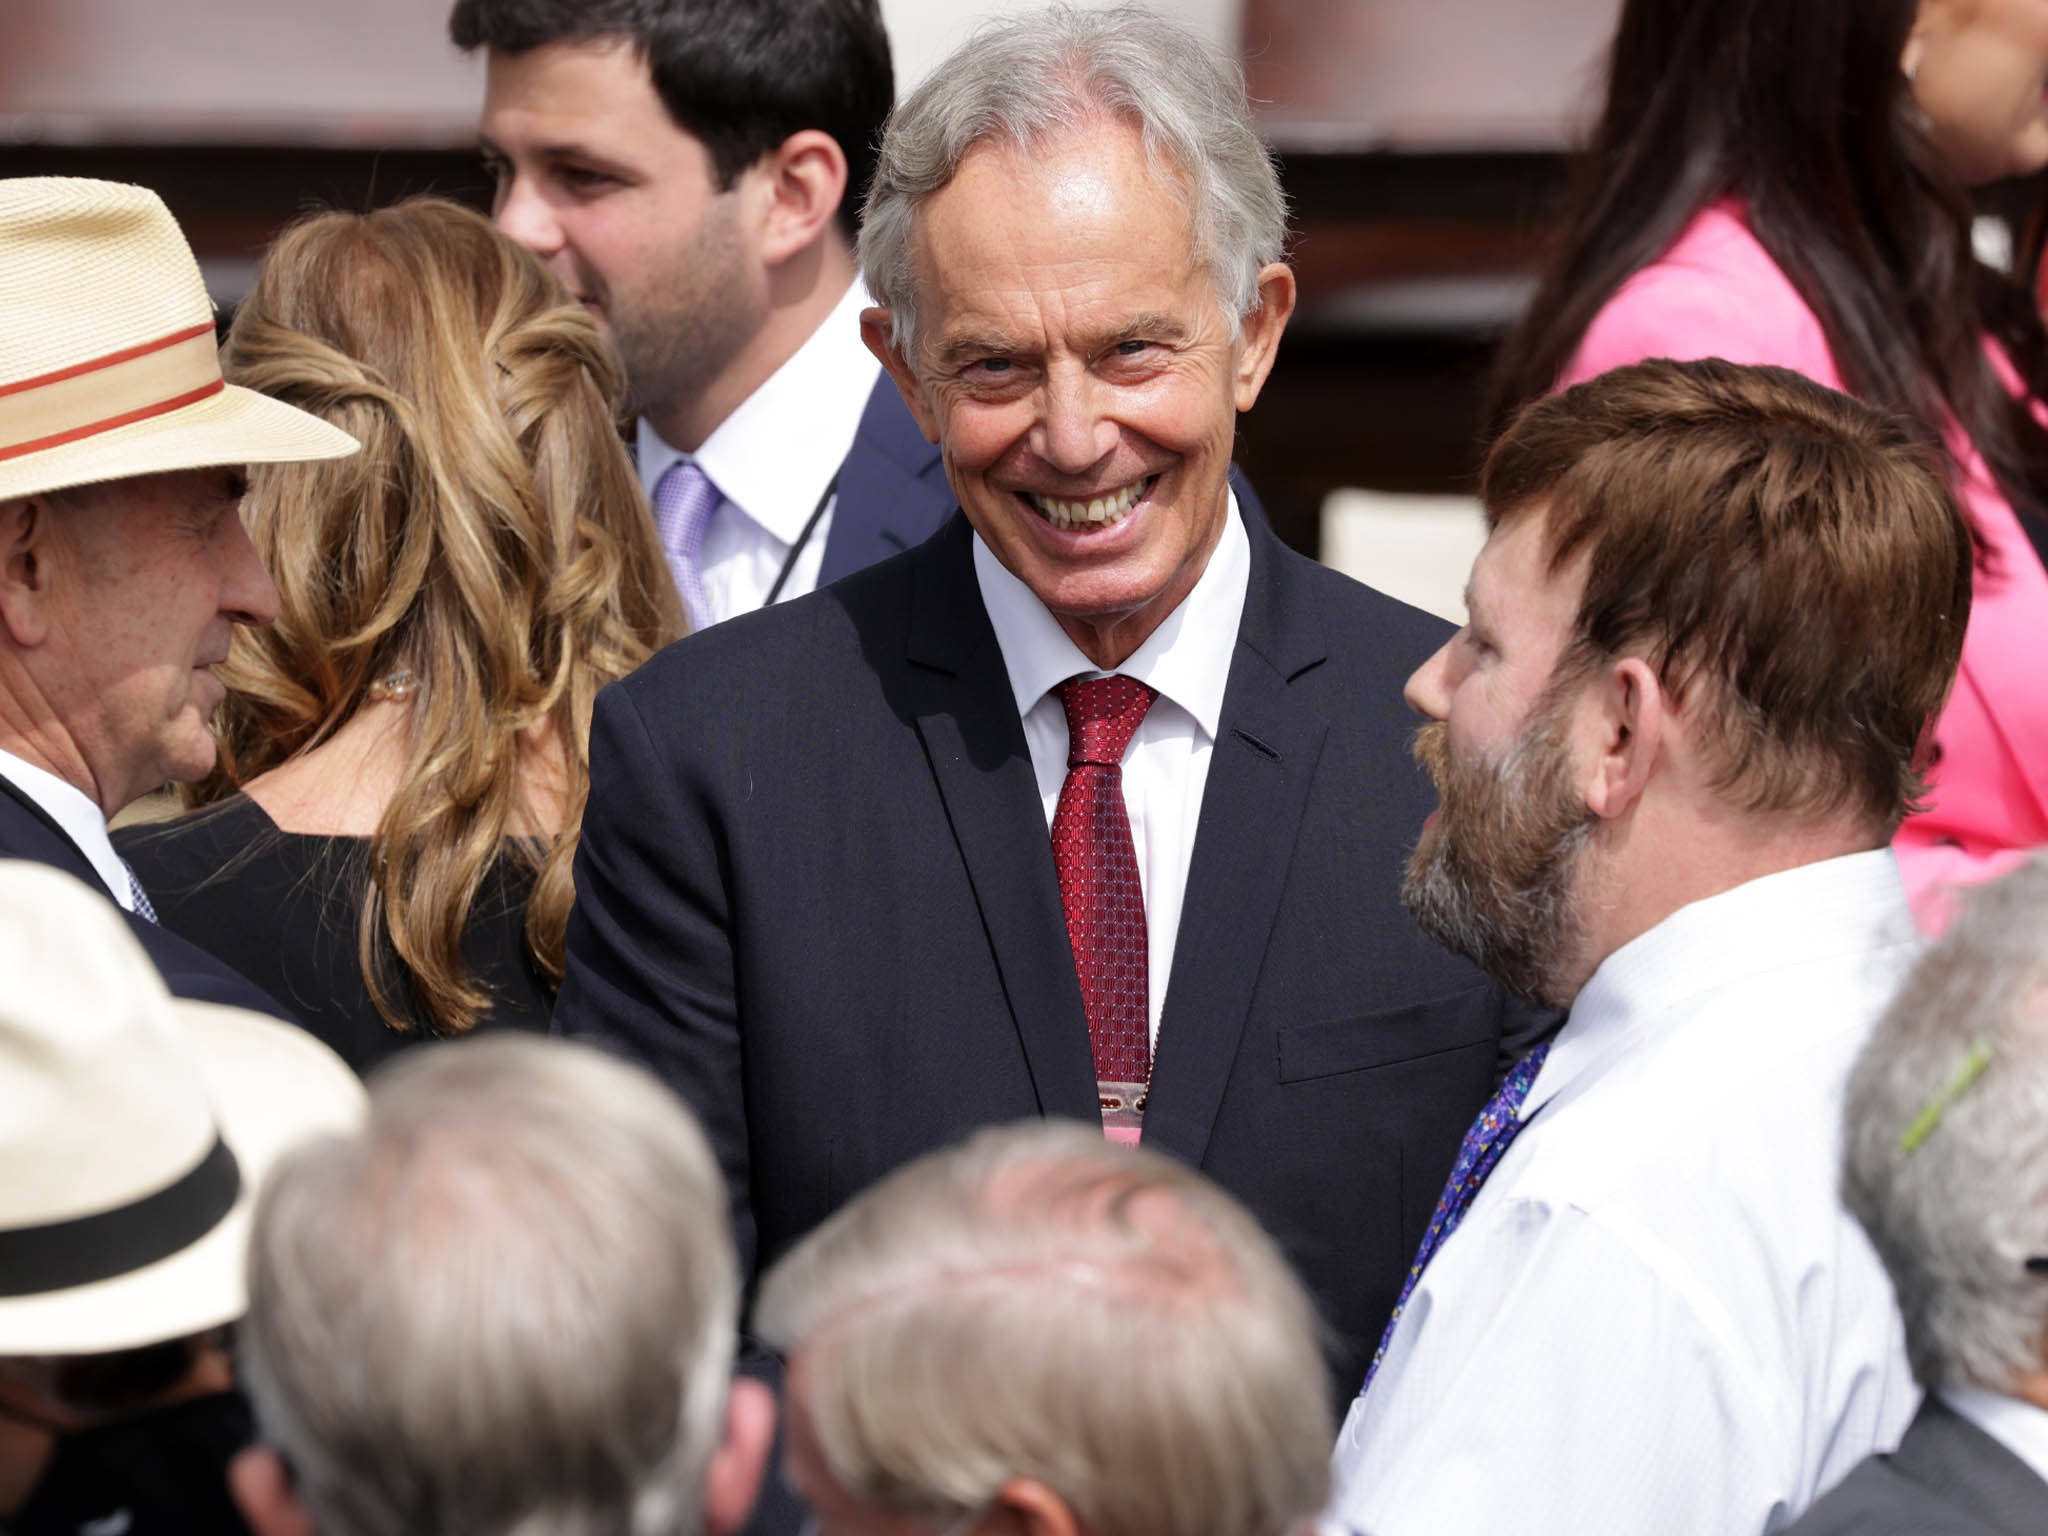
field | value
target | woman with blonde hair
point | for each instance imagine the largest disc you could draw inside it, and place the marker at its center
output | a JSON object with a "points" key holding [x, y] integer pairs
{"points": [[387, 844]]}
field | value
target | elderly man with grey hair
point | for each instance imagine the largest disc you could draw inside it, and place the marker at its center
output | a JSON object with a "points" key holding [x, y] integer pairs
{"points": [[1946, 1167], [1094, 805], [505, 1304], [1042, 1332]]}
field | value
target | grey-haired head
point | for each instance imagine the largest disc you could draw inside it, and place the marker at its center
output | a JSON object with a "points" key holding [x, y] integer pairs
{"points": [[1028, 81], [1946, 1138]]}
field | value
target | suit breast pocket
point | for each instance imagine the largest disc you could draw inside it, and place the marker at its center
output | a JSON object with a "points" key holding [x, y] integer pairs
{"points": [[1390, 1037]]}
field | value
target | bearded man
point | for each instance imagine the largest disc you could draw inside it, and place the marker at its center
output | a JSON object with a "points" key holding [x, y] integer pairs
{"points": [[1718, 611]]}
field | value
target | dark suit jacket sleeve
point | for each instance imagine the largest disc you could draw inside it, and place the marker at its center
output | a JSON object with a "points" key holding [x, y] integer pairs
{"points": [[650, 967]]}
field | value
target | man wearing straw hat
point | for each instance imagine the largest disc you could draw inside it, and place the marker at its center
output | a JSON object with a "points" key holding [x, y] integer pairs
{"points": [[124, 566], [134, 1131]]}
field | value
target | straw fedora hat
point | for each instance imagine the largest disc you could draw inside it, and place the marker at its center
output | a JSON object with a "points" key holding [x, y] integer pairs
{"points": [[134, 1129], [108, 366]]}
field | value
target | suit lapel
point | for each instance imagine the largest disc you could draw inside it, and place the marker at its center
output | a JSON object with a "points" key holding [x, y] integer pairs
{"points": [[892, 491], [1259, 776], [975, 745]]}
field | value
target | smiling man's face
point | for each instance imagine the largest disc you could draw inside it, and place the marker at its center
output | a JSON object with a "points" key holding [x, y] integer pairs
{"points": [[1077, 371]]}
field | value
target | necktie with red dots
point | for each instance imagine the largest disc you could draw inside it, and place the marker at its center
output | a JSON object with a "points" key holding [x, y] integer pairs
{"points": [[1097, 865]]}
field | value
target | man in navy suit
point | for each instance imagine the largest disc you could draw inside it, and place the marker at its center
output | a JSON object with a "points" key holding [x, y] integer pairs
{"points": [[692, 170], [124, 565], [863, 872]]}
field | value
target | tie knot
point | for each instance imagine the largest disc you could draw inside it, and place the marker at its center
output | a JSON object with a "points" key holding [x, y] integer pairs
{"points": [[1102, 715]]}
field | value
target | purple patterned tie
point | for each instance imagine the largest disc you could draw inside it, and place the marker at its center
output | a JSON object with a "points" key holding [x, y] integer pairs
{"points": [[684, 499], [1498, 1124], [1097, 864]]}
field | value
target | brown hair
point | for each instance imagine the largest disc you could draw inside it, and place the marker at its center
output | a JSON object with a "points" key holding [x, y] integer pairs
{"points": [[1796, 553], [490, 536]]}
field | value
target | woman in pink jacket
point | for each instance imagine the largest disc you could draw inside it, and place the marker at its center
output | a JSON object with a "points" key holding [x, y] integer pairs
{"points": [[1786, 181]]}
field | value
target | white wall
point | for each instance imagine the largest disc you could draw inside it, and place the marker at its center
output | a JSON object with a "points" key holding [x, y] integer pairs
{"points": [[922, 32], [1415, 72]]}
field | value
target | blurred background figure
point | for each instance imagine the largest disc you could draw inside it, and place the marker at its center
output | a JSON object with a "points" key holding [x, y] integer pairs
{"points": [[1789, 184], [507, 1303], [388, 843], [693, 172], [1946, 1166], [1041, 1331], [134, 1130]]}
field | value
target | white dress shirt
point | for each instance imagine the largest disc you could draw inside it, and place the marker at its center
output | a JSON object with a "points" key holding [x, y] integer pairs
{"points": [[772, 459], [73, 810], [1656, 1317], [2020, 1427], [1166, 767]]}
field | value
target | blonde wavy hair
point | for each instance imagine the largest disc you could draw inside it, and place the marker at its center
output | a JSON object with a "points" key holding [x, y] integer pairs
{"points": [[491, 537]]}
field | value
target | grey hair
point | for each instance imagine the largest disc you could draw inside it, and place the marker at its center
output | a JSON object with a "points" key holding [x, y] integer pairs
{"points": [[506, 1306], [1029, 80], [1956, 1217], [1039, 1302]]}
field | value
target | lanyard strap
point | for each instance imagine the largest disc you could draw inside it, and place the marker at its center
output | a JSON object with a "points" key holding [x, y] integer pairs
{"points": [[796, 549]]}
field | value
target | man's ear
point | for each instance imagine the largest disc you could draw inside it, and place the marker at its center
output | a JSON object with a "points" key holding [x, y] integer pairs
{"points": [[263, 1492], [1260, 331], [805, 180], [25, 537], [732, 1482], [874, 330], [1027, 1507], [1629, 709]]}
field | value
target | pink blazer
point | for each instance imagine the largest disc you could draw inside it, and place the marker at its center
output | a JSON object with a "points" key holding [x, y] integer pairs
{"points": [[1715, 293]]}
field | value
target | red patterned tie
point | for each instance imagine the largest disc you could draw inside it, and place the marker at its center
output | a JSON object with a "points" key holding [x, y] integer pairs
{"points": [[1105, 904]]}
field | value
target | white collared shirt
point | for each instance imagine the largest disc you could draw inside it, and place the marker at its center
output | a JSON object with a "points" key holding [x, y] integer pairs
{"points": [[2020, 1427], [73, 810], [1166, 768], [1656, 1315], [772, 459]]}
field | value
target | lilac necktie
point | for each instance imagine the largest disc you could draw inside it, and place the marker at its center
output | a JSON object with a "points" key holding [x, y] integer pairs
{"points": [[1498, 1124], [684, 499]]}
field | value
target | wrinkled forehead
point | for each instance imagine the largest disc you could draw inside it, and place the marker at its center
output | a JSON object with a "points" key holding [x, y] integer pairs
{"points": [[1083, 217]]}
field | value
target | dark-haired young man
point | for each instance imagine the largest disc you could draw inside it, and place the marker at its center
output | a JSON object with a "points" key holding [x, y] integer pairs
{"points": [[692, 170]]}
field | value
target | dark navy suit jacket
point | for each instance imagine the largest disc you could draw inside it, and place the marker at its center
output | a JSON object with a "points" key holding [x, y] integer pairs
{"points": [[29, 832], [815, 894], [892, 490]]}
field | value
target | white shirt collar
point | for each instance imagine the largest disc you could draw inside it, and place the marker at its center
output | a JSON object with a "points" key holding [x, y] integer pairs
{"points": [[2020, 1427], [773, 457], [1186, 659], [1788, 918], [73, 810]]}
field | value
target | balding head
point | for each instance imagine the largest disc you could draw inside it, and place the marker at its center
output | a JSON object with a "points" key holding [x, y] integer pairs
{"points": [[1040, 1318]]}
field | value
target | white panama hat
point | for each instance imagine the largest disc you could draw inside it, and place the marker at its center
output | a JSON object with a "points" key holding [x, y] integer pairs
{"points": [[108, 366], [135, 1129]]}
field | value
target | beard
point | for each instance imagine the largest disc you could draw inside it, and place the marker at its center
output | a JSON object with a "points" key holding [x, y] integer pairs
{"points": [[676, 337], [1496, 877]]}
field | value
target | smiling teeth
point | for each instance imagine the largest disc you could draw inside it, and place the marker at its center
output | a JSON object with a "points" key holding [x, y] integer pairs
{"points": [[1104, 509]]}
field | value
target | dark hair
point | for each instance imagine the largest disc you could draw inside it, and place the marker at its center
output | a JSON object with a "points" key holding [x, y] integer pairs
{"points": [[739, 75], [1790, 560], [1799, 108]]}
